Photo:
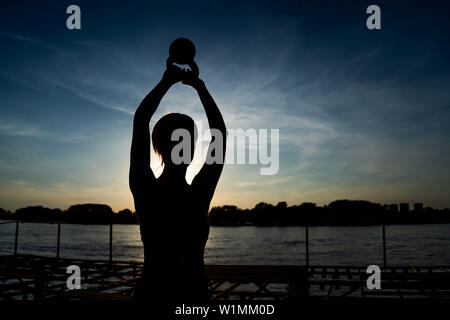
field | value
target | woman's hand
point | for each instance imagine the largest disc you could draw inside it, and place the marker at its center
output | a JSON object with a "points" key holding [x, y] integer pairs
{"points": [[195, 83], [174, 74], [193, 80]]}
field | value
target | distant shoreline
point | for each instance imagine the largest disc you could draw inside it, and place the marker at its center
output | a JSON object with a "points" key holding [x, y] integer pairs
{"points": [[336, 213], [12, 221]]}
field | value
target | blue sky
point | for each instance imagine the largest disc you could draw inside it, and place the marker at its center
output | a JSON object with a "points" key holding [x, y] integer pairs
{"points": [[362, 114]]}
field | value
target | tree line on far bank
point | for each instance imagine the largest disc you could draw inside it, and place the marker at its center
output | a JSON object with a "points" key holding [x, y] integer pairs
{"points": [[339, 212], [89, 213]]}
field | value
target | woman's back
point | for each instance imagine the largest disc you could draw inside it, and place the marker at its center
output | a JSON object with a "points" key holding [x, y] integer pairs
{"points": [[174, 231], [175, 221]]}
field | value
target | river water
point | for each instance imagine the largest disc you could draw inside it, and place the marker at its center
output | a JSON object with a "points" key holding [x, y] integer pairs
{"points": [[354, 245]]}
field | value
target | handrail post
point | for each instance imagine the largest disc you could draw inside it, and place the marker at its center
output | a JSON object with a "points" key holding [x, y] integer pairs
{"points": [[307, 245], [58, 240], [16, 238], [384, 245], [110, 241]]}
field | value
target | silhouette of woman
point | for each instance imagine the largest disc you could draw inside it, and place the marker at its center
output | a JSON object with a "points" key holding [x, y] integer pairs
{"points": [[173, 215]]}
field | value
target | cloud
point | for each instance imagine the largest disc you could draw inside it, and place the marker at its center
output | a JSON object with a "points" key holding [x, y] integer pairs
{"points": [[265, 182], [94, 98], [81, 80], [14, 127], [30, 40], [62, 195], [21, 130]]}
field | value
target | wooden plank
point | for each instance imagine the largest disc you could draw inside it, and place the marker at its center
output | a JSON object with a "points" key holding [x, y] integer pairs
{"points": [[250, 273]]}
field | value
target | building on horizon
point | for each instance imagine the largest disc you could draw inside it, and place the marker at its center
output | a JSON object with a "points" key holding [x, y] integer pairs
{"points": [[393, 208], [404, 207], [418, 206]]}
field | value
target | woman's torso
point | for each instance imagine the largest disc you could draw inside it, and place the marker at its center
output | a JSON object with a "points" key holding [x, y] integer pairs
{"points": [[174, 229]]}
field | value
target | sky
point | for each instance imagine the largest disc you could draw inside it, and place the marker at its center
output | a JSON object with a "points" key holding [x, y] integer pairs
{"points": [[362, 114]]}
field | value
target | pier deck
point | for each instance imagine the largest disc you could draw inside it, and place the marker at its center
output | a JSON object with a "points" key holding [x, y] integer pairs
{"points": [[25, 277]]}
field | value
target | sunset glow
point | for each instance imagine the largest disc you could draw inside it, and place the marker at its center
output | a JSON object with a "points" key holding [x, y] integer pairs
{"points": [[361, 114]]}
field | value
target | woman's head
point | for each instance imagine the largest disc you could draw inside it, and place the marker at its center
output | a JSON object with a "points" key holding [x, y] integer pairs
{"points": [[162, 137]]}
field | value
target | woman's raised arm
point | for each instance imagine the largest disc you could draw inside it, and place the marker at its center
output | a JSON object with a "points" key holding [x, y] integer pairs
{"points": [[140, 172], [208, 177]]}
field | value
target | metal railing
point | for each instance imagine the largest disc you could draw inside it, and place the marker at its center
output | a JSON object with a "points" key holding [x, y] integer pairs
{"points": [[58, 241], [58, 238]]}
